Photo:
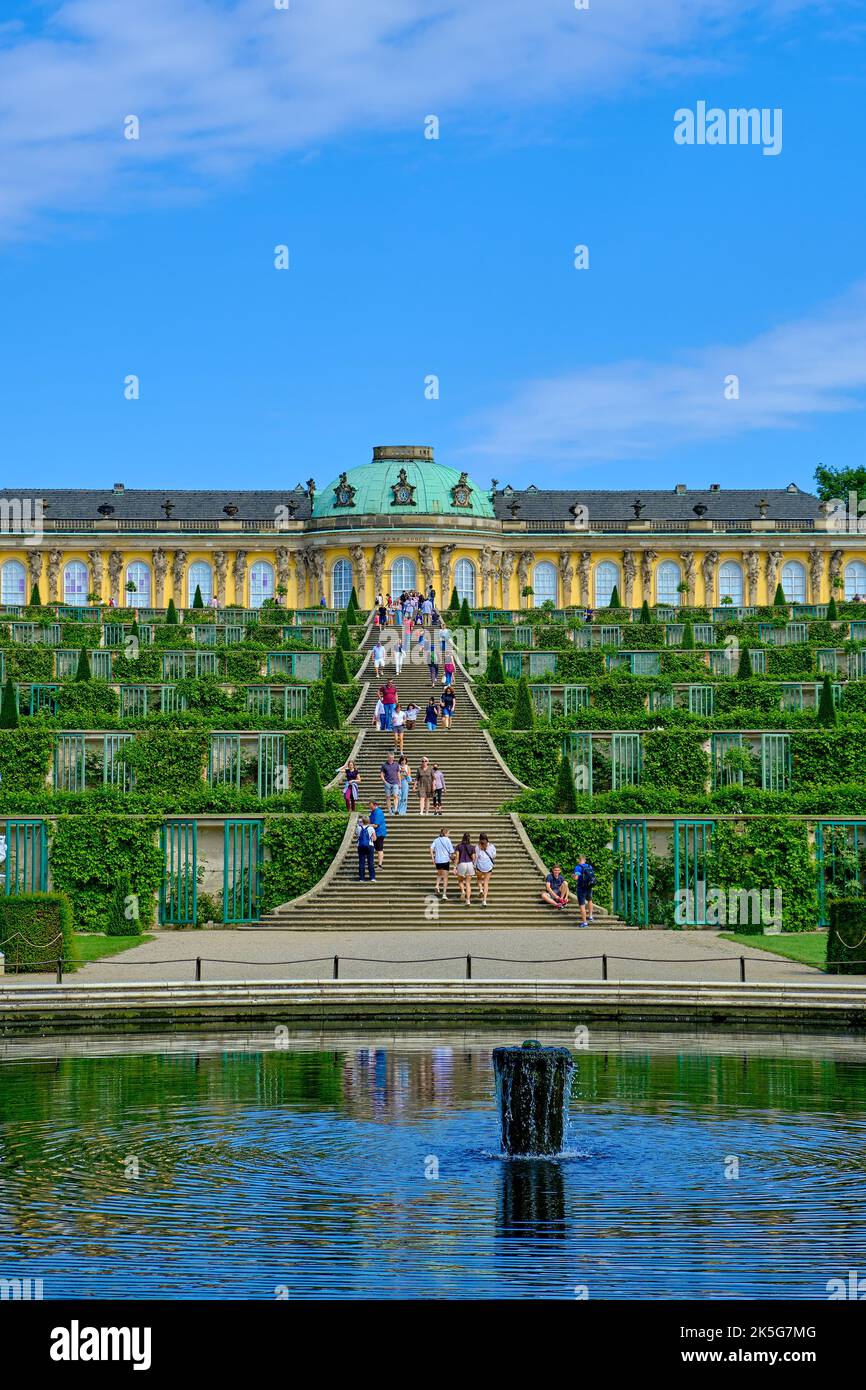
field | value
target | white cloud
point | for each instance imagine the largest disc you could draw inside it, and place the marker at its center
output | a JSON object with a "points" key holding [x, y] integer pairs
{"points": [[222, 84], [632, 409]]}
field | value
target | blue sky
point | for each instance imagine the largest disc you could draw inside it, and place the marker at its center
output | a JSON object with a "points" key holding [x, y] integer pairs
{"points": [[412, 257]]}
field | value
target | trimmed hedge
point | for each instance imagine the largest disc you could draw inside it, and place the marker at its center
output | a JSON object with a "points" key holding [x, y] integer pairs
{"points": [[300, 849], [91, 854], [35, 930], [846, 941]]}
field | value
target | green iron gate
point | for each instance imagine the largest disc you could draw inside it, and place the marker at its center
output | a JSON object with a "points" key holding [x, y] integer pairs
{"points": [[626, 760], [26, 866], [630, 886], [273, 777], [178, 894], [840, 849], [577, 748], [243, 853], [692, 845]]}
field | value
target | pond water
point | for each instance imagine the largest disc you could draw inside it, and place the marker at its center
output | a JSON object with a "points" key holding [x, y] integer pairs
{"points": [[366, 1164]]}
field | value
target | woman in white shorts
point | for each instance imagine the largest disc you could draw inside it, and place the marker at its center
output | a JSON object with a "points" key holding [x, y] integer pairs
{"points": [[466, 868], [485, 857]]}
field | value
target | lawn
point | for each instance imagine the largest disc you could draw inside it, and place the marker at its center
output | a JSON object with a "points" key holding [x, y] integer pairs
{"points": [[90, 946], [810, 947]]}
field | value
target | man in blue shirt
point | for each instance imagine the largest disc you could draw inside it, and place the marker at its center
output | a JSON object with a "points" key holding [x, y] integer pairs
{"points": [[380, 825], [584, 878]]}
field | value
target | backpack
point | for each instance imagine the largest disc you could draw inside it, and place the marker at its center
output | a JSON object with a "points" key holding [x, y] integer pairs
{"points": [[364, 837], [587, 875]]}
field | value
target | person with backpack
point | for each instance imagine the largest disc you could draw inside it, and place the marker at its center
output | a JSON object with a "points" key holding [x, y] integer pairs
{"points": [[380, 828], [366, 846], [584, 876]]}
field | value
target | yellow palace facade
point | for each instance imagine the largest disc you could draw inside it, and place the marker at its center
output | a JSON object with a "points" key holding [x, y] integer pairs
{"points": [[405, 521]]}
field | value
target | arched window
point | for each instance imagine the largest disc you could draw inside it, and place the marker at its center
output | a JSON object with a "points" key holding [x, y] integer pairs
{"points": [[667, 579], [544, 583], [75, 583], [606, 579], [464, 582], [13, 583], [731, 583], [341, 584], [793, 582], [404, 575], [855, 579], [138, 575], [261, 583], [200, 576]]}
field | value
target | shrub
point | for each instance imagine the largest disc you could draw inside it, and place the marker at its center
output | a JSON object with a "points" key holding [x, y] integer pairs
{"points": [[312, 793], [197, 600], [36, 930], [565, 800], [779, 600], [645, 616], [744, 670], [465, 618], [523, 716], [846, 940], [495, 672], [117, 923], [339, 670], [25, 759], [767, 854], [91, 854], [614, 598], [344, 639], [82, 672], [688, 642], [299, 851], [35, 600], [329, 714], [171, 614], [832, 615], [9, 707], [454, 602], [826, 708]]}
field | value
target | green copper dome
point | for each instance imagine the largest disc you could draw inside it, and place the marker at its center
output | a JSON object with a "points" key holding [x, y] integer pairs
{"points": [[406, 479]]}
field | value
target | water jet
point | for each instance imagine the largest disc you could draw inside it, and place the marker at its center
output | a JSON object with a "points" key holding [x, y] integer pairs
{"points": [[532, 1089]]}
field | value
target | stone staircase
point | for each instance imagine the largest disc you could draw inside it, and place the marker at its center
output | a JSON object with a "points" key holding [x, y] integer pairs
{"points": [[401, 899]]}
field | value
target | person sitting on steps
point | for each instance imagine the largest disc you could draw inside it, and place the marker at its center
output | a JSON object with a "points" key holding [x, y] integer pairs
{"points": [[555, 890]]}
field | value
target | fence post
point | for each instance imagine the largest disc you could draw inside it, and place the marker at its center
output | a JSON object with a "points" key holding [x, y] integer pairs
{"points": [[604, 967], [742, 970], [469, 967], [336, 974], [60, 970], [198, 967]]}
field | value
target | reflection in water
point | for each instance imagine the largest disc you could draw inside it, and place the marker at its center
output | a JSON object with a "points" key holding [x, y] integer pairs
{"points": [[353, 1166], [531, 1199]]}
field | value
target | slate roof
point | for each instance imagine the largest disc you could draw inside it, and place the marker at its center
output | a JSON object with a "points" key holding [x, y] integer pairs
{"points": [[145, 504], [728, 504]]}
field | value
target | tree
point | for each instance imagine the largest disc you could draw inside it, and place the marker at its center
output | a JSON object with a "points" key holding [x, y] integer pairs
{"points": [[339, 669], [524, 712], [832, 614], [82, 672], [135, 630], [614, 598], [826, 707], [330, 714], [171, 613], [117, 923], [645, 615], [565, 800], [344, 640], [839, 482], [688, 641], [495, 672], [9, 707], [465, 618], [312, 792], [744, 670], [197, 600], [35, 600], [779, 601], [353, 599], [454, 603]]}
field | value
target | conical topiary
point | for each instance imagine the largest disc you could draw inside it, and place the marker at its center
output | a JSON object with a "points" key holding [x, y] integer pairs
{"points": [[465, 618], [524, 712], [82, 672], [614, 598], [565, 800], [344, 639], [832, 614], [330, 715], [826, 707], [312, 792], [688, 641], [35, 600], [339, 670], [645, 615], [780, 601], [9, 707], [454, 603], [197, 600], [117, 922], [744, 670], [135, 630], [171, 613], [353, 599], [495, 671]]}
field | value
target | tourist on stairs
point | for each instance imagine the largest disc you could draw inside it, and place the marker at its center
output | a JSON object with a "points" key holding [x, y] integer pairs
{"points": [[555, 890], [466, 868], [405, 785], [442, 852], [485, 857], [424, 783], [366, 843]]}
